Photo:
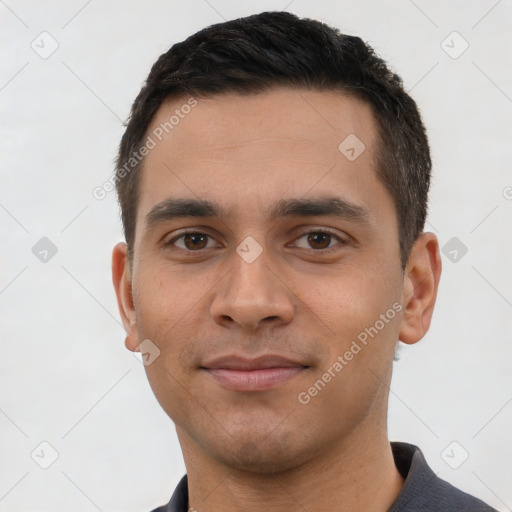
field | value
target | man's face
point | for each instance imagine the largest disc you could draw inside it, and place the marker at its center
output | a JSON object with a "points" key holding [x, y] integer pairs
{"points": [[297, 285]]}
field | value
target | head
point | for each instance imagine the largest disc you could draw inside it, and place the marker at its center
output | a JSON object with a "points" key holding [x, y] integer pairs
{"points": [[273, 182]]}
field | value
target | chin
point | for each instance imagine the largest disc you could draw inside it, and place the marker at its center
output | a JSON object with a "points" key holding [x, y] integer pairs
{"points": [[266, 456]]}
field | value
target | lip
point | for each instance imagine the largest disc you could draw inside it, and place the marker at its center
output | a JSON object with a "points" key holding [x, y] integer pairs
{"points": [[257, 374]]}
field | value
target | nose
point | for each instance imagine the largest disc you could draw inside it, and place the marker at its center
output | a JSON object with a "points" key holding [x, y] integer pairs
{"points": [[253, 296]]}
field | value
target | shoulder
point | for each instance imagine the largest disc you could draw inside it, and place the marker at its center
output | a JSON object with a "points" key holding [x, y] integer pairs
{"points": [[424, 490], [179, 499]]}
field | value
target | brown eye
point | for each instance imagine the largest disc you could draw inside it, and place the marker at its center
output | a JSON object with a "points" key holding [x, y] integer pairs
{"points": [[319, 240], [191, 241], [195, 241]]}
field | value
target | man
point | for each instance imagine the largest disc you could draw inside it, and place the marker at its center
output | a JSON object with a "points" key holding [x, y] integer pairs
{"points": [[273, 182]]}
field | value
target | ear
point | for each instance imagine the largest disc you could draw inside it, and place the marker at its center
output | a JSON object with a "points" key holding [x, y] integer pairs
{"points": [[121, 277], [421, 282]]}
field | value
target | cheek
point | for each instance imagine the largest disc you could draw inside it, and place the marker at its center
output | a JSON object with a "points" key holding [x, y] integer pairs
{"points": [[165, 319], [359, 305], [164, 299], [354, 374], [165, 310], [351, 299]]}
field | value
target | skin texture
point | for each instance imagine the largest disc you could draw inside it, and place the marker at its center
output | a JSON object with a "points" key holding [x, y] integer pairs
{"points": [[303, 299]]}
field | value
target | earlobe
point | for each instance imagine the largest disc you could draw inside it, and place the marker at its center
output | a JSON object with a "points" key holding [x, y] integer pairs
{"points": [[421, 282], [121, 277]]}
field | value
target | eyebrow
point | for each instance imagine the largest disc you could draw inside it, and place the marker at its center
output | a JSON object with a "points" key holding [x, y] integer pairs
{"points": [[170, 209]]}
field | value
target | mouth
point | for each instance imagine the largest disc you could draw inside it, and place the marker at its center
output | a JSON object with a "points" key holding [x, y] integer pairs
{"points": [[257, 374]]}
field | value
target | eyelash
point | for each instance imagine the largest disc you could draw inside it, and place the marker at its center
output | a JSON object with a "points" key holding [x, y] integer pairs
{"points": [[340, 240]]}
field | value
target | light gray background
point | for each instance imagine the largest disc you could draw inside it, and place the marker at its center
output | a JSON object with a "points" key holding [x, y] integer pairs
{"points": [[66, 377]]}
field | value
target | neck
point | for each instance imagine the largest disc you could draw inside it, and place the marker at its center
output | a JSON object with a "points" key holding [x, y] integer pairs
{"points": [[355, 476]]}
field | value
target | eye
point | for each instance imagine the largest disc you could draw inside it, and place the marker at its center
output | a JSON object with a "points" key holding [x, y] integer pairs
{"points": [[320, 240], [192, 241]]}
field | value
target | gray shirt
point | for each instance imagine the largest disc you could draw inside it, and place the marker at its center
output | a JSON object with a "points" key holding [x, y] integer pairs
{"points": [[423, 491]]}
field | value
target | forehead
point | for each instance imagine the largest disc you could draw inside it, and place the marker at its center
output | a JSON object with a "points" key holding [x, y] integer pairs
{"points": [[309, 117], [249, 148]]}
